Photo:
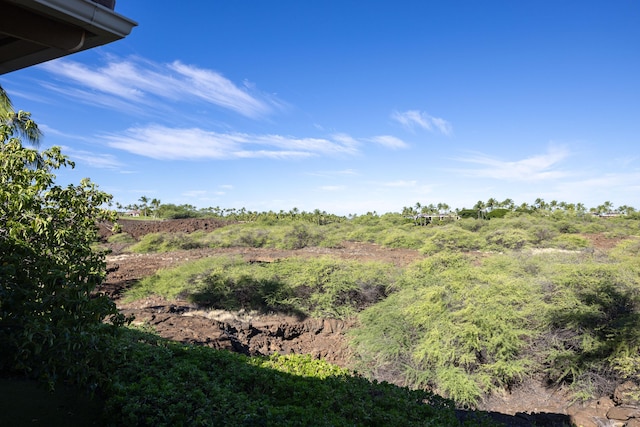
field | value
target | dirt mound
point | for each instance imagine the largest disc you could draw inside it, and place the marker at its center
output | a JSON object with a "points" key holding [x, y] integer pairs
{"points": [[138, 228]]}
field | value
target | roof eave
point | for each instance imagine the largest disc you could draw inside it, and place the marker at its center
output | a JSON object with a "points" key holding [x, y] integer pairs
{"points": [[101, 24]]}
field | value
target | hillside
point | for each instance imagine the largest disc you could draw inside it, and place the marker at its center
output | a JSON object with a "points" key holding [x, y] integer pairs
{"points": [[262, 333]]}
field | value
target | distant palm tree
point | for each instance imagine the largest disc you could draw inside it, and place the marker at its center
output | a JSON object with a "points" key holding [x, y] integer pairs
{"points": [[443, 208], [145, 206], [508, 204], [155, 204], [19, 123], [607, 207], [540, 204], [491, 204]]}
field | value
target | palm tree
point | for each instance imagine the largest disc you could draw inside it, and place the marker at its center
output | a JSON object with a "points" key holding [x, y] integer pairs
{"points": [[607, 206], [19, 123], [155, 204], [508, 204], [443, 208], [539, 204], [492, 204]]}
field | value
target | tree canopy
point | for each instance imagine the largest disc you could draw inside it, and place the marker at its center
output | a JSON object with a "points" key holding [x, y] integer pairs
{"points": [[49, 314]]}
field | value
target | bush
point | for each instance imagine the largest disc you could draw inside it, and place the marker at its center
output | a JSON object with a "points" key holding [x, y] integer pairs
{"points": [[399, 238], [498, 213], [160, 383], [452, 327], [322, 287], [542, 234], [567, 227], [50, 320], [300, 236], [471, 224], [121, 238], [594, 309], [451, 238], [570, 242], [508, 239], [166, 242], [468, 213]]}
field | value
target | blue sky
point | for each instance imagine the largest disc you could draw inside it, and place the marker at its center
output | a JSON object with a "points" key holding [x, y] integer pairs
{"points": [[351, 106]]}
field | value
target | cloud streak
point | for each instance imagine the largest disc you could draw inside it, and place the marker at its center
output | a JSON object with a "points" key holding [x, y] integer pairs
{"points": [[412, 119], [101, 161], [535, 168], [401, 184], [389, 142], [164, 143], [145, 83]]}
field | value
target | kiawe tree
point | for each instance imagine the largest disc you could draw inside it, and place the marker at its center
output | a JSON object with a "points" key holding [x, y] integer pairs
{"points": [[51, 320]]}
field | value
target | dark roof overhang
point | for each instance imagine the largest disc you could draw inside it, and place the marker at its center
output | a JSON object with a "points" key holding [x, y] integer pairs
{"points": [[36, 31]]}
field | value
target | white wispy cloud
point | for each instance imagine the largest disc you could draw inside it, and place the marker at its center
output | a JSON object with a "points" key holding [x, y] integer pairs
{"points": [[625, 161], [400, 183], [605, 184], [389, 141], [96, 160], [414, 118], [535, 168], [333, 187], [345, 172], [195, 193], [142, 82], [161, 142]]}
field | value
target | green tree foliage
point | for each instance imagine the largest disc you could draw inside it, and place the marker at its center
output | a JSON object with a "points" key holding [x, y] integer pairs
{"points": [[48, 269], [17, 123]]}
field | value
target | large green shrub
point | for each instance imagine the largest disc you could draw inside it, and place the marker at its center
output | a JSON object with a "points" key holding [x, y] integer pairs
{"points": [[50, 320], [570, 242], [464, 325], [498, 213], [451, 238], [320, 287], [508, 238], [459, 329]]}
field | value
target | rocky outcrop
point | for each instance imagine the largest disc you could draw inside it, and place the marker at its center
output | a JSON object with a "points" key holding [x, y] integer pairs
{"points": [[248, 334], [623, 410]]}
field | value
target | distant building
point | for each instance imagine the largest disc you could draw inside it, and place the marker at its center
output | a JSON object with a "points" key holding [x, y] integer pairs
{"points": [[609, 214]]}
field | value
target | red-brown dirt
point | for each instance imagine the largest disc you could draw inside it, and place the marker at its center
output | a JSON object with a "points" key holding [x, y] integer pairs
{"points": [[256, 334]]}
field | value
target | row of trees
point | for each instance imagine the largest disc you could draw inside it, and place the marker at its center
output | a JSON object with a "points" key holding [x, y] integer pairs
{"points": [[538, 205], [147, 207], [155, 208]]}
